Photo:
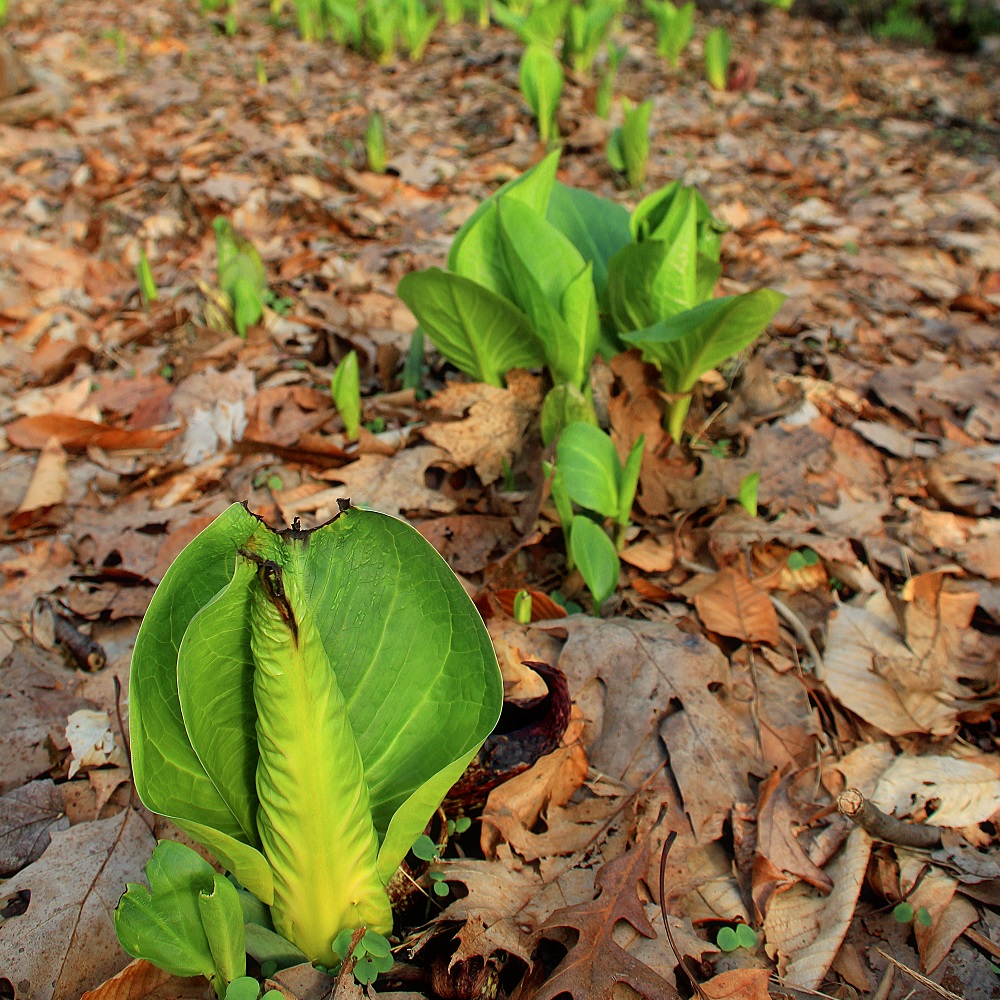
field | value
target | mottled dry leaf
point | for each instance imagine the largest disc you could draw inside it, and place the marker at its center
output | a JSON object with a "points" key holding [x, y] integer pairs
{"points": [[492, 422], [954, 792], [804, 930], [64, 943], [470, 542], [27, 816], [733, 606]]}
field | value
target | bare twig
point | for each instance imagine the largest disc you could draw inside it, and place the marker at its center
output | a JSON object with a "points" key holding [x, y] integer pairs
{"points": [[695, 985], [981, 941], [853, 804], [346, 974], [923, 980]]}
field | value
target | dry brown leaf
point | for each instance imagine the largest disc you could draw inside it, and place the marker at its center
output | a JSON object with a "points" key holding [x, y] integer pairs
{"points": [[738, 984], [33, 433], [49, 481], [64, 943], [491, 425], [470, 542], [651, 555], [596, 962], [141, 980], [778, 853], [804, 930], [733, 606], [27, 817]]}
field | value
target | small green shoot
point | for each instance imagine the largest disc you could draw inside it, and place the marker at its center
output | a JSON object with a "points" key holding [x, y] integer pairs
{"points": [[522, 607], [439, 885], [509, 482], [904, 913], [628, 146], [241, 275], [261, 71], [801, 559], [425, 848], [605, 89], [564, 506], [246, 988], [674, 28], [379, 27], [748, 493], [375, 143], [595, 557], [729, 939], [459, 824], [542, 84], [413, 370], [454, 11], [718, 51], [586, 29], [144, 274], [346, 393], [372, 954], [416, 24], [564, 405]]}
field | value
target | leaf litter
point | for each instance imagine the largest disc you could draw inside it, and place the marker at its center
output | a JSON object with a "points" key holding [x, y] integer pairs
{"points": [[741, 684]]}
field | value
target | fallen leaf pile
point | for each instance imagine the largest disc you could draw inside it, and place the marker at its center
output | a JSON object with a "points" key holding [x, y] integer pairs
{"points": [[750, 669]]}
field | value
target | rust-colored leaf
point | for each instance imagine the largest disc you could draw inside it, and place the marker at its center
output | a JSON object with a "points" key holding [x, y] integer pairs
{"points": [[733, 606]]}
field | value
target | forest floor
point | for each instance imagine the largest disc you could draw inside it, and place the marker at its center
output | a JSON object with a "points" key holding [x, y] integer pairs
{"points": [[861, 180]]}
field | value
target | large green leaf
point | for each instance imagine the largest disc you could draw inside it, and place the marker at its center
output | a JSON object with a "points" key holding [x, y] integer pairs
{"points": [[596, 226], [478, 331], [478, 233], [163, 923], [590, 468], [692, 343], [365, 709]]}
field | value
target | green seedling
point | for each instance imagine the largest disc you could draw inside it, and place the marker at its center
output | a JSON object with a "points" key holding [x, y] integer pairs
{"points": [[346, 393], [674, 28], [692, 343], [424, 848], [570, 607], [903, 913], [454, 11], [718, 51], [343, 21], [605, 89], [375, 143], [542, 83], [748, 493], [379, 28], [628, 146], [413, 369], [285, 695], [522, 607], [246, 988], [460, 824], [587, 28], [595, 557], [308, 19], [416, 25], [372, 954], [542, 25], [281, 304], [564, 405], [241, 275], [480, 11], [729, 939], [260, 70], [144, 274], [594, 477], [801, 559], [117, 36]]}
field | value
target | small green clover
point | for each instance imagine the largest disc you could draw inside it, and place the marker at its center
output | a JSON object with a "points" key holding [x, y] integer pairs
{"points": [[425, 848], [458, 825], [440, 886], [904, 913], [801, 558], [372, 954], [729, 939]]}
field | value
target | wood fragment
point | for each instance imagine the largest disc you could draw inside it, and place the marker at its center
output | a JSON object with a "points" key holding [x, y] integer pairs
{"points": [[853, 804]]}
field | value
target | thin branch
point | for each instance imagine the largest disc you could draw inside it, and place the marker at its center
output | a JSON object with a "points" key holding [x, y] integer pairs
{"points": [[695, 985], [853, 804]]}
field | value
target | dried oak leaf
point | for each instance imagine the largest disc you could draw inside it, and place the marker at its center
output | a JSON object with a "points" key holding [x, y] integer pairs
{"points": [[27, 815], [734, 606], [596, 963]]}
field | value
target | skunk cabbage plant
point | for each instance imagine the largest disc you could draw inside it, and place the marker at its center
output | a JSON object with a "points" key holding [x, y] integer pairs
{"points": [[301, 701]]}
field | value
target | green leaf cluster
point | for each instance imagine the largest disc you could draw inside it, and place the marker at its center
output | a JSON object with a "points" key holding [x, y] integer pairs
{"points": [[300, 702], [628, 145], [674, 27], [241, 275], [588, 474]]}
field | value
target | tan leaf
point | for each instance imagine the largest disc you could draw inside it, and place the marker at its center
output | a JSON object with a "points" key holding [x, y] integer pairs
{"points": [[491, 425], [50, 479], [654, 554], [733, 606], [804, 930], [738, 984], [141, 980]]}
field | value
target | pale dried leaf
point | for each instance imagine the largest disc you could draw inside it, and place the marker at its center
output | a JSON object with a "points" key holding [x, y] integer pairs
{"points": [[141, 980], [49, 481], [733, 606]]}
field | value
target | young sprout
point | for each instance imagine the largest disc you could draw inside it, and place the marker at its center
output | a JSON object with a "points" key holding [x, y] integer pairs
{"points": [[743, 936], [522, 607], [346, 393], [542, 84], [595, 556], [674, 27], [147, 286], [375, 143], [718, 50], [628, 146], [605, 90], [748, 493]]}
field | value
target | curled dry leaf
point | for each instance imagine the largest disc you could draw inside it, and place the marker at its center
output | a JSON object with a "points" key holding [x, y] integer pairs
{"points": [[27, 817]]}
